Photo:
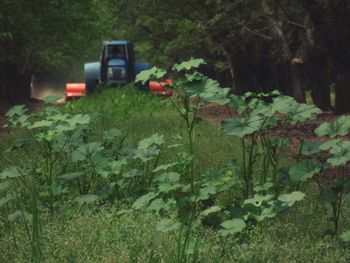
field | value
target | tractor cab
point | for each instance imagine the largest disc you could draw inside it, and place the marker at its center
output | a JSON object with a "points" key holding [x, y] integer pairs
{"points": [[117, 62]]}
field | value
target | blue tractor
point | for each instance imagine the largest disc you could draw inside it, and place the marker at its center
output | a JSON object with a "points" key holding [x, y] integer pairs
{"points": [[117, 66]]}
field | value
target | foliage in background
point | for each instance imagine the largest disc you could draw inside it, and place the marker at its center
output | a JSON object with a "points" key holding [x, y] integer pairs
{"points": [[52, 35]]}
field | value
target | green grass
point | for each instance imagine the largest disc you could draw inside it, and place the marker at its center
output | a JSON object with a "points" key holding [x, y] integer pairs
{"points": [[140, 115], [97, 234], [101, 236]]}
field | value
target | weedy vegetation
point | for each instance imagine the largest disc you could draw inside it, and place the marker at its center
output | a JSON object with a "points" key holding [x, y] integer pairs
{"points": [[121, 176]]}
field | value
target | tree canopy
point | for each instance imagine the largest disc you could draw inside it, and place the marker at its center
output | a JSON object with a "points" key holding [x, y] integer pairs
{"points": [[248, 44]]}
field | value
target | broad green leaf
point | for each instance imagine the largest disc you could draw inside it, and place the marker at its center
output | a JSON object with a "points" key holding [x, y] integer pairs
{"points": [[79, 119], [52, 99], [101, 163], [167, 225], [19, 215], [18, 121], [146, 154], [258, 200], [243, 127], [50, 112], [304, 170], [111, 134], [152, 73], [304, 112], [239, 102], [122, 212], [41, 124], [291, 198], [345, 236], [330, 144], [143, 201], [168, 187], [83, 152], [195, 76], [197, 87], [86, 199], [209, 90], [266, 186], [117, 166], [174, 146], [70, 176], [155, 139], [5, 185], [265, 110], [58, 116], [216, 94], [132, 173], [328, 196], [18, 110], [340, 154], [206, 192], [63, 128], [210, 210], [340, 127], [189, 64], [251, 210], [284, 104], [159, 204], [47, 136], [11, 172], [268, 212], [164, 167], [170, 177], [233, 226], [310, 147]]}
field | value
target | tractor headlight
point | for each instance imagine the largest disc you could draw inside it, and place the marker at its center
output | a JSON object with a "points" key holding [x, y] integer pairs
{"points": [[122, 73], [110, 73]]}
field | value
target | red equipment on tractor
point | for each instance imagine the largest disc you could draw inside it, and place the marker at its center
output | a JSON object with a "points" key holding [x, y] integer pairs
{"points": [[117, 66]]}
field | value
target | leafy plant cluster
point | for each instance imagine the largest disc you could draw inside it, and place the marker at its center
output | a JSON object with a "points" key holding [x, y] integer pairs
{"points": [[63, 163], [262, 184], [59, 162]]}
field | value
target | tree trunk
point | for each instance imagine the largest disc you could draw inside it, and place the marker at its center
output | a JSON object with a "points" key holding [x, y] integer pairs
{"points": [[291, 67], [229, 61], [332, 23], [297, 80], [13, 84], [342, 93], [319, 79]]}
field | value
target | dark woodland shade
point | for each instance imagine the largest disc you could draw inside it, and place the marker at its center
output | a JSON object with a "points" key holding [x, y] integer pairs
{"points": [[249, 45], [14, 85]]}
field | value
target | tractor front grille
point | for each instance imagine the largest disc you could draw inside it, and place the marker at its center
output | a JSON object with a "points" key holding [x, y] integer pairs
{"points": [[116, 73]]}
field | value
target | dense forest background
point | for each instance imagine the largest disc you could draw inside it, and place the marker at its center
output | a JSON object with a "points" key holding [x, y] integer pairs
{"points": [[256, 45]]}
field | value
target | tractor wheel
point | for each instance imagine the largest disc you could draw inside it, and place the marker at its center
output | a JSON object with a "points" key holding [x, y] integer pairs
{"points": [[90, 87]]}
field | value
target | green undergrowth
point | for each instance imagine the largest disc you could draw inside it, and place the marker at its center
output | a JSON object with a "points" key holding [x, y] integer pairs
{"points": [[123, 176], [139, 115], [90, 235]]}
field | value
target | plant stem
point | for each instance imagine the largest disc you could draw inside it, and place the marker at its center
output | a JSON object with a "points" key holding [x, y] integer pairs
{"points": [[35, 242]]}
